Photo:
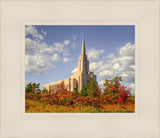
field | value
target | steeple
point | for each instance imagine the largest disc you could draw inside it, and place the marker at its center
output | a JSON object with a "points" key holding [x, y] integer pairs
{"points": [[83, 46], [83, 63]]}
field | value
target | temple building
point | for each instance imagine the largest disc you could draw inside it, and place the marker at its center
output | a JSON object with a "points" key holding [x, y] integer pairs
{"points": [[77, 79]]}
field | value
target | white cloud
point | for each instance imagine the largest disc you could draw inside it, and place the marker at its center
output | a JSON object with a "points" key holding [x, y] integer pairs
{"points": [[127, 50], [100, 66], [38, 59], [55, 58], [37, 64], [66, 54], [111, 56], [128, 76], [132, 86], [67, 59], [34, 46], [39, 55], [132, 66], [101, 83], [29, 29], [58, 47], [44, 33], [94, 54], [74, 39], [106, 74], [74, 70], [66, 42], [126, 62], [124, 75], [121, 65], [93, 66], [48, 50], [116, 66], [73, 45]]}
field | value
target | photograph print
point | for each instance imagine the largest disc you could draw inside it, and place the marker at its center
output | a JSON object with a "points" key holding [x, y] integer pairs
{"points": [[79, 68]]}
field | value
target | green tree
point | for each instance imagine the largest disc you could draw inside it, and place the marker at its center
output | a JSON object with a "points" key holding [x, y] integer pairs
{"points": [[90, 89], [115, 80], [112, 86], [33, 88]]}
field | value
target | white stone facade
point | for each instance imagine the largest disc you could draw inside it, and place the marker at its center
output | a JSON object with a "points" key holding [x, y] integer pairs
{"points": [[79, 78]]}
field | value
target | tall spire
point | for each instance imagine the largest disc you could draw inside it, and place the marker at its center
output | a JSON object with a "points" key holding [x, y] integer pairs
{"points": [[83, 63], [83, 46]]}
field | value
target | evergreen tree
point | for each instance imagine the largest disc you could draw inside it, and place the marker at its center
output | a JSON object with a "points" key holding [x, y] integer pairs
{"points": [[90, 89], [33, 88]]}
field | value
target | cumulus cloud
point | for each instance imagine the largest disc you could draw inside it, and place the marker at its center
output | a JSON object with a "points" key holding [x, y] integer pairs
{"points": [[93, 66], [66, 42], [132, 86], [58, 47], [37, 64], [55, 58], [106, 74], [94, 54], [132, 66], [101, 83], [39, 55], [127, 50], [73, 45], [67, 59], [128, 76], [121, 65], [31, 30], [44, 33], [33, 46], [74, 70], [66, 54], [100, 66], [110, 56], [116, 66]]}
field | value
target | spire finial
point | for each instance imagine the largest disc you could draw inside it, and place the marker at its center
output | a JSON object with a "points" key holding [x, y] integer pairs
{"points": [[83, 46]]}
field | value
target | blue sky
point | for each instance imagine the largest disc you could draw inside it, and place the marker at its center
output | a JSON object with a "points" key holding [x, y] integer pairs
{"points": [[52, 52]]}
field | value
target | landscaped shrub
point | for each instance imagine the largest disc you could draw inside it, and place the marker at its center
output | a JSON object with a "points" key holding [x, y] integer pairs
{"points": [[115, 98], [87, 101], [123, 94]]}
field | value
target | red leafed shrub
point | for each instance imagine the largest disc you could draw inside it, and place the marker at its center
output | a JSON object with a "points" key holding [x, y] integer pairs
{"points": [[62, 96], [87, 101], [98, 92], [48, 98], [108, 99], [30, 96], [62, 89], [111, 89], [35, 98], [123, 94]]}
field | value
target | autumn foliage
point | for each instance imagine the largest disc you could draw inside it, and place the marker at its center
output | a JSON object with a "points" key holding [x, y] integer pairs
{"points": [[113, 98]]}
